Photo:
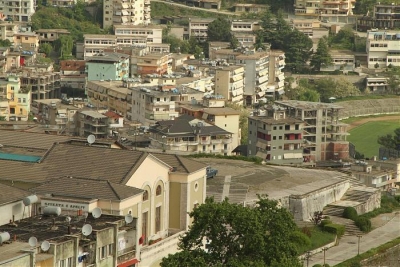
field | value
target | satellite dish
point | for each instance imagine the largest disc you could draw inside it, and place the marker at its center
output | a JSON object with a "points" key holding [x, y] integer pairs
{"points": [[96, 213], [68, 219], [45, 245], [91, 139], [86, 229], [128, 218], [32, 241]]}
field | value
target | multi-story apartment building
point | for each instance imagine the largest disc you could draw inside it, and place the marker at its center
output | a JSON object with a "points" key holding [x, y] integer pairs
{"points": [[343, 60], [97, 43], [43, 84], [152, 103], [383, 48], [55, 112], [276, 74], [199, 27], [73, 74], [8, 29], [110, 66], [253, 8], [332, 10], [90, 122], [383, 17], [150, 63], [9, 60], [26, 41], [126, 12], [189, 134], [305, 26], [229, 82], [19, 99], [4, 108], [21, 10], [50, 35], [276, 138], [324, 135], [155, 191], [62, 3], [152, 33], [112, 95], [212, 110]]}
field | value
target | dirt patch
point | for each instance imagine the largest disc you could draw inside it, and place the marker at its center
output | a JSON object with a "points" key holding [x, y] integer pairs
{"points": [[365, 120]]}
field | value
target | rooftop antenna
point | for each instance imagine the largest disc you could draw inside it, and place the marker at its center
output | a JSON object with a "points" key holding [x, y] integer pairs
{"points": [[87, 229], [32, 241], [128, 218], [45, 246], [96, 213], [91, 139]]}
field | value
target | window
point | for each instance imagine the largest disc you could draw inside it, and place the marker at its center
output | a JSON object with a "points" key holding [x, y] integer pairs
{"points": [[146, 195], [61, 263], [103, 252], [280, 137], [69, 262], [24, 100], [19, 100], [158, 190], [110, 249], [158, 219], [273, 137]]}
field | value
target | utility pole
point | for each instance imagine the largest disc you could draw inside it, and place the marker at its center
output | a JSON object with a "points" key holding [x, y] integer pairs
{"points": [[359, 237], [308, 256], [324, 249]]}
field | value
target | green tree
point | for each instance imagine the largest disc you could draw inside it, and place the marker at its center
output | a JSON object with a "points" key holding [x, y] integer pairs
{"points": [[321, 58], [309, 95], [233, 41], [5, 43], [390, 140], [46, 48], [238, 236], [63, 46], [393, 79], [339, 88], [344, 39], [219, 30], [297, 47]]}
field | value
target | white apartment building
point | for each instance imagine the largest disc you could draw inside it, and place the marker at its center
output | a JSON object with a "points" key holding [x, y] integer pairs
{"points": [[198, 28], [245, 26], [152, 33], [331, 10], [97, 43], [18, 10], [128, 12], [383, 48]]}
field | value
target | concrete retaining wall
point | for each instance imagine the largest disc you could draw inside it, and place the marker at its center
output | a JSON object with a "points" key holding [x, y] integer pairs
{"points": [[304, 206]]}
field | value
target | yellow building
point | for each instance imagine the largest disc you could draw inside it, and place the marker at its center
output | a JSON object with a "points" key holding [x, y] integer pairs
{"points": [[27, 41], [18, 106]]}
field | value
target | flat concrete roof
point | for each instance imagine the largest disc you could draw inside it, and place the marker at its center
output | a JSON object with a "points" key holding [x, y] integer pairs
{"points": [[93, 114], [13, 250]]}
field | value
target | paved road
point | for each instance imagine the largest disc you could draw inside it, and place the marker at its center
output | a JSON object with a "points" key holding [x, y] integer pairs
{"points": [[196, 8], [348, 245]]}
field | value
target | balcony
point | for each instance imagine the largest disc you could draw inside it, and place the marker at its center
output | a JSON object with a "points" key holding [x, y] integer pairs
{"points": [[227, 140], [205, 142], [126, 254], [216, 141]]}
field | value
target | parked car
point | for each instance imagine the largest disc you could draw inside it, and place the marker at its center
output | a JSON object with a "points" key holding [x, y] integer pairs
{"points": [[211, 173]]}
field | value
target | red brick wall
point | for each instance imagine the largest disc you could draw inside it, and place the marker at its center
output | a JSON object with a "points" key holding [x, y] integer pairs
{"points": [[334, 150]]}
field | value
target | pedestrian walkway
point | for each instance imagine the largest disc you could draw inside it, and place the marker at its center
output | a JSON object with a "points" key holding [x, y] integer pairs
{"points": [[349, 246]]}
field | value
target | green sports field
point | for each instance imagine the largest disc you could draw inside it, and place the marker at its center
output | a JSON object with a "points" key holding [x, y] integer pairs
{"points": [[365, 136]]}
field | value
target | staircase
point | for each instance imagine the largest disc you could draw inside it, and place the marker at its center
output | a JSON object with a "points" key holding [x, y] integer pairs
{"points": [[332, 210], [351, 229]]}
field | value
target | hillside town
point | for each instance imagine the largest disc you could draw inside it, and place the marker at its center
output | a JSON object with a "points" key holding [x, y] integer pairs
{"points": [[202, 133]]}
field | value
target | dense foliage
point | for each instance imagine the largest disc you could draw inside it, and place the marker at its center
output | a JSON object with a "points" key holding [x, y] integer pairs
{"points": [[321, 58], [238, 236], [390, 140], [77, 19]]}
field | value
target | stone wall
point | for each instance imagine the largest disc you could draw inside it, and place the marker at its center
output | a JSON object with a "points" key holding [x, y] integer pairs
{"points": [[304, 206]]}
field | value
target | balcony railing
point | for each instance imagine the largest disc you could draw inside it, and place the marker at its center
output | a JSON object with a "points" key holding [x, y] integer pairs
{"points": [[216, 141]]}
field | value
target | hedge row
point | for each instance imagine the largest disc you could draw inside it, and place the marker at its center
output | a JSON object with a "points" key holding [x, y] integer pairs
{"points": [[336, 229]]}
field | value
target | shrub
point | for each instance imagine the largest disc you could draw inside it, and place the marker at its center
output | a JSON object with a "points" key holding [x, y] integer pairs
{"points": [[317, 265], [364, 224], [300, 240], [306, 230], [336, 229], [325, 222], [350, 213]]}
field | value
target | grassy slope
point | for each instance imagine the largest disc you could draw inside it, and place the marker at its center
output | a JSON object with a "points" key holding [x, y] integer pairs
{"points": [[364, 137]]}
